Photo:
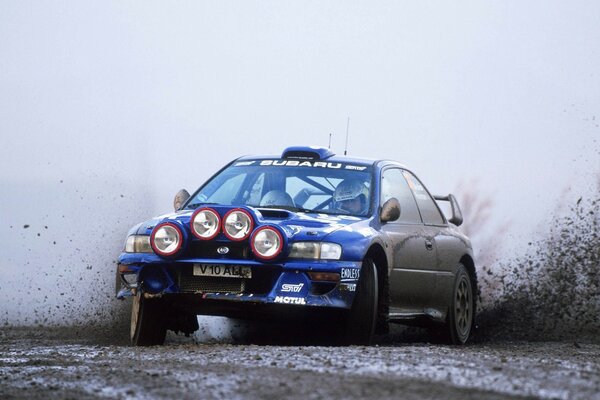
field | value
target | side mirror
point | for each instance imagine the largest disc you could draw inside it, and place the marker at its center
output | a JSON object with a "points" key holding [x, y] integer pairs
{"points": [[457, 218], [390, 211], [180, 198]]}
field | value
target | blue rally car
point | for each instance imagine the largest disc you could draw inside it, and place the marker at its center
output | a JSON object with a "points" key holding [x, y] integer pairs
{"points": [[299, 233]]}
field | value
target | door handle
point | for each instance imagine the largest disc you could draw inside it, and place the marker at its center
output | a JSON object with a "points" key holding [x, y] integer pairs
{"points": [[428, 245]]}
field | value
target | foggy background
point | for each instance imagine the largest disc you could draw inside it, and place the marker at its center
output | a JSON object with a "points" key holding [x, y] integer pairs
{"points": [[107, 109]]}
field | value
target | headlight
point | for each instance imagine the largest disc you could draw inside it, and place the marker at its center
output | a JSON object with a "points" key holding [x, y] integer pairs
{"points": [[316, 250], [138, 244], [330, 251], [205, 223], [267, 242], [166, 239], [238, 225]]}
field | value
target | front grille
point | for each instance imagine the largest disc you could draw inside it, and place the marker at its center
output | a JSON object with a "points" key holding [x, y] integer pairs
{"points": [[210, 284], [208, 249]]}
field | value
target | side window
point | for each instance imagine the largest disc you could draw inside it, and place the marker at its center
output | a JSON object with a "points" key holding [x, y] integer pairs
{"points": [[429, 212], [393, 184]]}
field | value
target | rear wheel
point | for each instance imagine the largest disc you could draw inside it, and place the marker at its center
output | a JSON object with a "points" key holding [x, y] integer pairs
{"points": [[360, 323], [148, 326], [459, 323]]}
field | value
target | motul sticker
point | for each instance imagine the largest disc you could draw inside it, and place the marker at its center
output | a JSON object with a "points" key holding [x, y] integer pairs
{"points": [[290, 300]]}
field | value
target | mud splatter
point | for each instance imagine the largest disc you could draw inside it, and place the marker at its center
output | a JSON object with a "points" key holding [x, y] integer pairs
{"points": [[553, 291]]}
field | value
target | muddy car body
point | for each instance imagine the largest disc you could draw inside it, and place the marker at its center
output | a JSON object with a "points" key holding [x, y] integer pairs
{"points": [[299, 233]]}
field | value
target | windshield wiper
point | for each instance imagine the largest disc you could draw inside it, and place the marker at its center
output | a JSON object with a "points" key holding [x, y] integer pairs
{"points": [[287, 208], [196, 205]]}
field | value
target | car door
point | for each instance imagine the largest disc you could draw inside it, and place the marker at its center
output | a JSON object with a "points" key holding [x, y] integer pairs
{"points": [[413, 263], [437, 236]]}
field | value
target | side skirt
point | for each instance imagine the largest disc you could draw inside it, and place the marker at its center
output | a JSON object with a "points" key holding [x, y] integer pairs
{"points": [[403, 317]]}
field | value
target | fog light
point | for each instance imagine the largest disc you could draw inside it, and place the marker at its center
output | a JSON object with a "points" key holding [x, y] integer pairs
{"points": [[153, 280]]}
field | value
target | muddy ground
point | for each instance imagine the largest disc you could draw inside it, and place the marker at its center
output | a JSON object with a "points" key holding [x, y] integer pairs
{"points": [[82, 363]]}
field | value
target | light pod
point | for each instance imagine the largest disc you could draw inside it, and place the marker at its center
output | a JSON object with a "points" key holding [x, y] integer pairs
{"points": [[266, 242], [166, 239], [205, 223], [237, 224]]}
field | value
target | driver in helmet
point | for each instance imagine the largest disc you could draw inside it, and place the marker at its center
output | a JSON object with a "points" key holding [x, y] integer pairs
{"points": [[351, 196]]}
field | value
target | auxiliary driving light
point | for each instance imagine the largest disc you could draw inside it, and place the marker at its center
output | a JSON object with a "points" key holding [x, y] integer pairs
{"points": [[238, 225], [205, 223], [267, 242], [166, 239]]}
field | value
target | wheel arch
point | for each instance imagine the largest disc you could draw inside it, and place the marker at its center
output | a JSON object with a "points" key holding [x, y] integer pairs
{"points": [[377, 254], [469, 264]]}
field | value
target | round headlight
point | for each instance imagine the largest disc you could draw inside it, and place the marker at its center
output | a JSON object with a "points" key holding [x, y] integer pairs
{"points": [[238, 224], [267, 242], [166, 239], [205, 223]]}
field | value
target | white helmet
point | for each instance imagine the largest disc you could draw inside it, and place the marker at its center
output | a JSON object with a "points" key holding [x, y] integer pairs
{"points": [[349, 190], [276, 198]]}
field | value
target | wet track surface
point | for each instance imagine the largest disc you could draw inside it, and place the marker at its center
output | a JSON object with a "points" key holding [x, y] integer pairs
{"points": [[82, 364]]}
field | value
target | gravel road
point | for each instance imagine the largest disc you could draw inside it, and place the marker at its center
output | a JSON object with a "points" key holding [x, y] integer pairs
{"points": [[84, 363]]}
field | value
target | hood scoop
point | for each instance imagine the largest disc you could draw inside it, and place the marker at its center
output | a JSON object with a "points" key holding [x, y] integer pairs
{"points": [[272, 213]]}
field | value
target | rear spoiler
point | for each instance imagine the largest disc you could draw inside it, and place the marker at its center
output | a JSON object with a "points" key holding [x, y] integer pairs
{"points": [[457, 218]]}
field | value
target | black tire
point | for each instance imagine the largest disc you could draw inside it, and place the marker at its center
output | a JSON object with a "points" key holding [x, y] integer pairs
{"points": [[148, 326], [461, 314], [361, 319]]}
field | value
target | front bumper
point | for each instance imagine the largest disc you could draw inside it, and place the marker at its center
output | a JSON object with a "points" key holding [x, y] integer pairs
{"points": [[280, 284]]}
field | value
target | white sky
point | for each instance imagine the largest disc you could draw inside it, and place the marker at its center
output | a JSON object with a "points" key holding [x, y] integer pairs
{"points": [[140, 99]]}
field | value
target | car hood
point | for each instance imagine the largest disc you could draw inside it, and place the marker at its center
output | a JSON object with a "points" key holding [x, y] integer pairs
{"points": [[316, 227]]}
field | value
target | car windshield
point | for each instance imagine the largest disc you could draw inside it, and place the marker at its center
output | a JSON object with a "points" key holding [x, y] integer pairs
{"points": [[296, 185]]}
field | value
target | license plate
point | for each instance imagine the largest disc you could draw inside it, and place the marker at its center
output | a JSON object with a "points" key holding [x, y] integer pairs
{"points": [[223, 271]]}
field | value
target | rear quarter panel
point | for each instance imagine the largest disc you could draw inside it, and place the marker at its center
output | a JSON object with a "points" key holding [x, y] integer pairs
{"points": [[451, 247]]}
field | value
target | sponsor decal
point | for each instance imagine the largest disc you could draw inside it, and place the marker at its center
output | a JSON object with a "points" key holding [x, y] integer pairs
{"points": [[355, 167], [297, 163], [301, 163], [290, 300], [350, 273], [313, 164], [288, 287], [348, 287]]}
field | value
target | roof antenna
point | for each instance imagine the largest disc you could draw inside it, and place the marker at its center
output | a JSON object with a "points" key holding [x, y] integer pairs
{"points": [[347, 129], [330, 140]]}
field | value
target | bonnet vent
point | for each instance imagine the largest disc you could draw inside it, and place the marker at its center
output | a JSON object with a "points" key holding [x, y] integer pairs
{"points": [[271, 213]]}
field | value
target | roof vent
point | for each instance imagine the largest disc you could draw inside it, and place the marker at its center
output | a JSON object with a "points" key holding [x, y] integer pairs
{"points": [[307, 153]]}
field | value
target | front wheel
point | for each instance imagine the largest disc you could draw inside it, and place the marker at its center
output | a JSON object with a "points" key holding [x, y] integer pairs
{"points": [[148, 326], [460, 318], [360, 323]]}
